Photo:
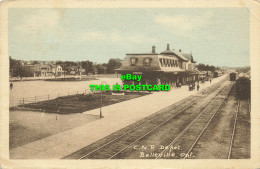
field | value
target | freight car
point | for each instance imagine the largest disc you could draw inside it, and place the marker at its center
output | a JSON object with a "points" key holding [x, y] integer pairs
{"points": [[216, 74], [243, 88], [233, 76]]}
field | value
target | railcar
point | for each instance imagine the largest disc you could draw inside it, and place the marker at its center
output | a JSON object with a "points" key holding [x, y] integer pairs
{"points": [[216, 74], [233, 76], [243, 88]]}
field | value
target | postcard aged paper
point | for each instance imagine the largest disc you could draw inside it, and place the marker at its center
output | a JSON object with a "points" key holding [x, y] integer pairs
{"points": [[130, 84]]}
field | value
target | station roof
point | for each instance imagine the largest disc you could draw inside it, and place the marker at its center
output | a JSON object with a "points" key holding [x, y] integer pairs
{"points": [[176, 53], [169, 51], [192, 72], [189, 57], [142, 54]]}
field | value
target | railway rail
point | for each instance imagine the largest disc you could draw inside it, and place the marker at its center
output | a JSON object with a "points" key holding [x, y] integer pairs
{"points": [[240, 148], [190, 100], [202, 122], [234, 129], [139, 132]]}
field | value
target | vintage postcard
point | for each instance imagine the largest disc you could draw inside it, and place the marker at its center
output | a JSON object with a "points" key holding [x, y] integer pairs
{"points": [[130, 84]]}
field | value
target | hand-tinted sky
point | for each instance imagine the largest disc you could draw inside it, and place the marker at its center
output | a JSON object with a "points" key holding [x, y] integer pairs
{"points": [[217, 36]]}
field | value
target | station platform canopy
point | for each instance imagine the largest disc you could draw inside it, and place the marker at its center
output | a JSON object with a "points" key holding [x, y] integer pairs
{"points": [[170, 69]]}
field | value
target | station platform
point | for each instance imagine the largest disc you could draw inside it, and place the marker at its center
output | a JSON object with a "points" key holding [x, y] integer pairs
{"points": [[116, 117]]}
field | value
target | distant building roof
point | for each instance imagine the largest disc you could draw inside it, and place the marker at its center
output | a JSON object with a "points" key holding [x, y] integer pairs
{"points": [[43, 65], [28, 65], [142, 54]]}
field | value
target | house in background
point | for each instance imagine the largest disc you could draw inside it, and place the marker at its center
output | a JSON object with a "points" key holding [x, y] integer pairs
{"points": [[48, 70], [56, 70], [100, 69], [43, 70], [75, 70]]}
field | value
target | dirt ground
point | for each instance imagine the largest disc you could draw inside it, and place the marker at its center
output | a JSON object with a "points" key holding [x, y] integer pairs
{"points": [[27, 126]]}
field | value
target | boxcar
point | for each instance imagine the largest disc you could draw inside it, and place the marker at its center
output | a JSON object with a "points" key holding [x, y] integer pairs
{"points": [[216, 74], [233, 76], [243, 88]]}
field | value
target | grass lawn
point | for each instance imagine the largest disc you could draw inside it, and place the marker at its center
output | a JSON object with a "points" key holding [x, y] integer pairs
{"points": [[81, 103], [29, 126]]}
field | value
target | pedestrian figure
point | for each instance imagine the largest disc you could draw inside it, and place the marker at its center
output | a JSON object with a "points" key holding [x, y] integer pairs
{"points": [[198, 87], [11, 86], [190, 87], [43, 112], [210, 80]]}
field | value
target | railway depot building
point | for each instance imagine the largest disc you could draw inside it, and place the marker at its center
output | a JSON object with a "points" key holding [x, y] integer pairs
{"points": [[169, 67]]}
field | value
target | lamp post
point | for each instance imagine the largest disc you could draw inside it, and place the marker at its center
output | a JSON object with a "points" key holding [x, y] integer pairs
{"points": [[100, 114]]}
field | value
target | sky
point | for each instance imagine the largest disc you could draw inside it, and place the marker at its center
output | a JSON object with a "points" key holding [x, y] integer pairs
{"points": [[215, 36]]}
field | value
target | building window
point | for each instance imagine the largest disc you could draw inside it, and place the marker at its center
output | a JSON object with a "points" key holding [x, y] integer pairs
{"points": [[133, 61], [164, 62], [161, 62], [147, 61]]}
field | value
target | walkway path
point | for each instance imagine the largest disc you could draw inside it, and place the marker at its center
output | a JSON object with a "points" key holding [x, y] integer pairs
{"points": [[117, 116]]}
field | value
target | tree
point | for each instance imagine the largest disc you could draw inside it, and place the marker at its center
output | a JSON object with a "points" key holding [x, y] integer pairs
{"points": [[88, 66], [21, 72], [35, 62], [212, 68], [13, 63], [113, 63], [203, 67]]}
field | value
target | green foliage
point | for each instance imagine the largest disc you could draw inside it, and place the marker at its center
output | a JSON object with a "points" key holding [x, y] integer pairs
{"points": [[13, 63], [87, 65], [21, 72], [203, 67], [113, 63], [243, 69], [17, 70], [35, 62]]}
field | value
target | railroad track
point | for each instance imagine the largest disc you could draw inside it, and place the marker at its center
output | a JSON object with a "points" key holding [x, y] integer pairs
{"points": [[211, 88], [191, 102], [238, 149], [186, 138], [154, 124], [234, 129]]}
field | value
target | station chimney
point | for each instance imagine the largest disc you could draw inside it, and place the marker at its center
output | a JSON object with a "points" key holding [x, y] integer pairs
{"points": [[168, 46], [153, 49]]}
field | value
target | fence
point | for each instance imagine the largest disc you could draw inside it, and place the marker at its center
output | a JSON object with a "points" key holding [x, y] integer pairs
{"points": [[27, 100], [66, 76]]}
